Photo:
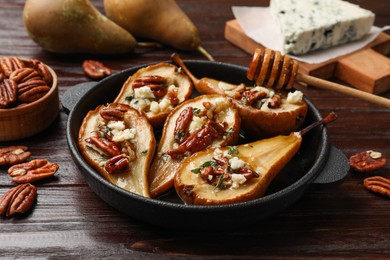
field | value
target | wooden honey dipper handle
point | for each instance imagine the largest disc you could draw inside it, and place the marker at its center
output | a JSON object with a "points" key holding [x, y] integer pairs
{"points": [[271, 69], [324, 84]]}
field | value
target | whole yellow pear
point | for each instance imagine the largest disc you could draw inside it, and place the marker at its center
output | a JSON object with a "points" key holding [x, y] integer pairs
{"points": [[74, 26], [160, 20]]}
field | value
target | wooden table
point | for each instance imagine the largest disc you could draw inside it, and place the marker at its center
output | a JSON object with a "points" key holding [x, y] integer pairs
{"points": [[69, 220]]}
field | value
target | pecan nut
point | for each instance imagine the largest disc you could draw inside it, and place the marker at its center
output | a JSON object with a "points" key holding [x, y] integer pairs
{"points": [[24, 74], [8, 93], [10, 64], [149, 80], [378, 184], [95, 69], [30, 84], [367, 161], [112, 114], [103, 146], [13, 154], [116, 164], [157, 84], [18, 200], [43, 71], [32, 171], [33, 94], [183, 121]]}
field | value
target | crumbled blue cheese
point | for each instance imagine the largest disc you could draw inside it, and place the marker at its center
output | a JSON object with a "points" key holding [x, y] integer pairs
{"points": [[295, 97], [122, 182], [116, 125], [143, 92], [196, 123], [307, 25], [120, 132], [237, 180], [236, 163]]}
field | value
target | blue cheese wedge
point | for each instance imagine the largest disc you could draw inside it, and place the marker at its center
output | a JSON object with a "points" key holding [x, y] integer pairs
{"points": [[307, 25]]}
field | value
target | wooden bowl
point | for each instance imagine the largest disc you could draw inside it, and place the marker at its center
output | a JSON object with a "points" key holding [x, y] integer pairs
{"points": [[29, 119]]}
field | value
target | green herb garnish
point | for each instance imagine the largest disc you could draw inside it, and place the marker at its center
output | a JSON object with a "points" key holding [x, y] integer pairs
{"points": [[205, 164], [219, 183], [130, 98], [233, 150]]}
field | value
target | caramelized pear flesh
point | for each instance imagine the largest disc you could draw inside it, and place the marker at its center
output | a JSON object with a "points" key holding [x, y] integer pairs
{"points": [[74, 26], [249, 170], [118, 142], [205, 121], [239, 173], [156, 90], [261, 115]]}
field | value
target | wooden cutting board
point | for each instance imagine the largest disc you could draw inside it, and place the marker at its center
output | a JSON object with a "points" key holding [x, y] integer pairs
{"points": [[367, 69]]}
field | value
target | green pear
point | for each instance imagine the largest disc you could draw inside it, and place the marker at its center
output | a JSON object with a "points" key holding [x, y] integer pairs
{"points": [[74, 26], [160, 20]]}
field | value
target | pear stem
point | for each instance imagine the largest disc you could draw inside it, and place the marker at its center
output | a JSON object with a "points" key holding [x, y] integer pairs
{"points": [[205, 53], [149, 44], [179, 62], [329, 118]]}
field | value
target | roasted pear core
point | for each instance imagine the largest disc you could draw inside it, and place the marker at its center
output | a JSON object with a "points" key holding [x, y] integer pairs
{"points": [[264, 112], [156, 90], [236, 173], [118, 141], [199, 123]]}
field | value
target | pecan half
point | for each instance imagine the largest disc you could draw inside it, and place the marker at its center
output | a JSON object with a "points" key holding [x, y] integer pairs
{"points": [[183, 121], [196, 142], [95, 69], [32, 171], [149, 80], [30, 84], [24, 74], [103, 146], [10, 64], [157, 84], [13, 154], [378, 184], [367, 161], [33, 94], [43, 71], [8, 93], [18, 200], [116, 164], [112, 114]]}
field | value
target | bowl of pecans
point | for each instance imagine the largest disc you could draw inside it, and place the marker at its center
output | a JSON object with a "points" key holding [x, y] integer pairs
{"points": [[29, 100]]}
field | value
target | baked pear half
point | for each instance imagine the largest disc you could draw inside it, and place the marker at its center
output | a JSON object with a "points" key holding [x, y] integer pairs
{"points": [[236, 173], [199, 123], [156, 90], [118, 141], [264, 112]]}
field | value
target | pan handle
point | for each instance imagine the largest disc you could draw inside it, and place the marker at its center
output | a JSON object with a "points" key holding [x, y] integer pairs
{"points": [[335, 170], [71, 96]]}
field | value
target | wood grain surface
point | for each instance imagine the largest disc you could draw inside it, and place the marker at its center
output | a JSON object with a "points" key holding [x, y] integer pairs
{"points": [[70, 221]]}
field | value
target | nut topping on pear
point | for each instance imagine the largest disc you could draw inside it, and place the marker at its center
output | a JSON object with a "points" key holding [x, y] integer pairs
{"points": [[118, 141], [236, 173], [264, 112]]}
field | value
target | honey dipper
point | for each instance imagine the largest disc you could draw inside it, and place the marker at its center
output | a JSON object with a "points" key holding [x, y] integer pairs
{"points": [[271, 69]]}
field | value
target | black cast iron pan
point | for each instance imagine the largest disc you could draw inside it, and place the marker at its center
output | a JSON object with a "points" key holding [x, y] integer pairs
{"points": [[316, 163]]}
